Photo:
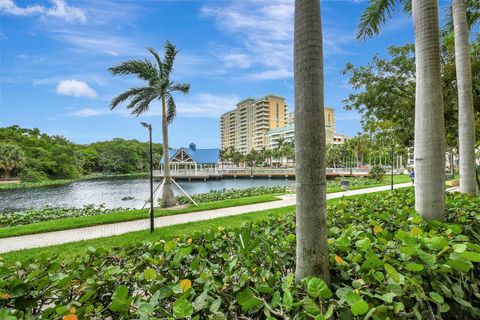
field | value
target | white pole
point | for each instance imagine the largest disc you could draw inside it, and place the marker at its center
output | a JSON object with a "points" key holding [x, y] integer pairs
{"points": [[188, 196]]}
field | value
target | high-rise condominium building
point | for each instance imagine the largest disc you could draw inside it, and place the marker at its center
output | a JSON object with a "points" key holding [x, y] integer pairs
{"points": [[287, 133], [245, 127]]}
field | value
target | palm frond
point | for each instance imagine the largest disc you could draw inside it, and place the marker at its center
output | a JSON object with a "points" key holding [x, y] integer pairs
{"points": [[180, 87], [374, 16], [168, 59], [473, 15], [171, 108], [407, 6], [473, 12], [143, 69], [129, 94], [138, 103], [157, 58], [141, 104]]}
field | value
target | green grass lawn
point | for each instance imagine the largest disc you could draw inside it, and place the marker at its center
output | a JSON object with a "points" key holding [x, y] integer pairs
{"points": [[129, 215], [70, 250]]}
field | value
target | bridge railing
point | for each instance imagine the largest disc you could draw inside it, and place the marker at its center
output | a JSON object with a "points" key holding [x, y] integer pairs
{"points": [[255, 171]]}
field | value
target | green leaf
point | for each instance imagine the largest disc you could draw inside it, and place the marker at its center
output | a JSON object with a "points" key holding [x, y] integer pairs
{"points": [[310, 307], [287, 300], [317, 287], [247, 300], [415, 267], [436, 297], [464, 266], [182, 308], [459, 248], [120, 302], [169, 246], [392, 272], [438, 243], [352, 297], [360, 307], [215, 305], [149, 274], [471, 255]]}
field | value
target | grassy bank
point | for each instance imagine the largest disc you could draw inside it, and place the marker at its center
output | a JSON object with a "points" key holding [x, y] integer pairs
{"points": [[122, 216], [59, 182]]}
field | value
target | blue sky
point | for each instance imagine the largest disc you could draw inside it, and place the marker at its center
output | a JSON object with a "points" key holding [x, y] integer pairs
{"points": [[55, 55]]}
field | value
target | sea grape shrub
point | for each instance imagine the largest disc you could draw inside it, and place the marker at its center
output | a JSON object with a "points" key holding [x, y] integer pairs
{"points": [[353, 182], [377, 172], [49, 213], [386, 262], [228, 194]]}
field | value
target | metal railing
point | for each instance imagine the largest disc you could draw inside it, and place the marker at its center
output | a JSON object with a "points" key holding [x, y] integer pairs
{"points": [[254, 171]]}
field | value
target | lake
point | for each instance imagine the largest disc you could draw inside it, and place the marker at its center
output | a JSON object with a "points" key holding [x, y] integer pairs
{"points": [[111, 191]]}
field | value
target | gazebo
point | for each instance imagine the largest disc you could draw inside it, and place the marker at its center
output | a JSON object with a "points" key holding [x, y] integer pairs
{"points": [[193, 159]]}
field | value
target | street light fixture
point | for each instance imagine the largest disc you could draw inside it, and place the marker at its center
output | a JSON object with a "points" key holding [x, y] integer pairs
{"points": [[152, 215]]}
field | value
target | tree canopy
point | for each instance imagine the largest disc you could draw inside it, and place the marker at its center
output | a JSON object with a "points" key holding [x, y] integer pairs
{"points": [[385, 91], [36, 156]]}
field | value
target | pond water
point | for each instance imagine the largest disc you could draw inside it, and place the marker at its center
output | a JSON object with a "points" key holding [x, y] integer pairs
{"points": [[110, 192]]}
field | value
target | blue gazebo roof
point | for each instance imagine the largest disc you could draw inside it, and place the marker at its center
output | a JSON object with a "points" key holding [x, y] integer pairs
{"points": [[200, 156]]}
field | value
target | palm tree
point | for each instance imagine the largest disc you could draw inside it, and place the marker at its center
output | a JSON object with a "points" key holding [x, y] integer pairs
{"points": [[466, 116], [310, 146], [429, 117], [159, 87], [12, 160]]}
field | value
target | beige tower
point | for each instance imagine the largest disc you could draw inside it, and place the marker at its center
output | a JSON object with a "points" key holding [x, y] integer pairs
{"points": [[245, 127]]}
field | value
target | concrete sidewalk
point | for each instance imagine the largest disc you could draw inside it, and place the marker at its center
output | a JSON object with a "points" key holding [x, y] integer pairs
{"points": [[106, 230]]}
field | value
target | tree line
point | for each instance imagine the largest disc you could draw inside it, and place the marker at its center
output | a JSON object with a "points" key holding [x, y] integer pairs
{"points": [[31, 155]]}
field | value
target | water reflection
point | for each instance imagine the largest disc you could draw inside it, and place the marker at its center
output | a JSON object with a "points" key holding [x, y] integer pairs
{"points": [[111, 192]]}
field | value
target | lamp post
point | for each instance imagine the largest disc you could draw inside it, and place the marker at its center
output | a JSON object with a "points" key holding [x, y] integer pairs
{"points": [[149, 127]]}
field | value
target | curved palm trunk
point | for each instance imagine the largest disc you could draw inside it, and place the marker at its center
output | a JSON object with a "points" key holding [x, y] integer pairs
{"points": [[310, 147], [168, 199], [429, 118], [466, 117]]}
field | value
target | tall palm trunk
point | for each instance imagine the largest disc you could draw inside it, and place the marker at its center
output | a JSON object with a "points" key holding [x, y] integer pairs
{"points": [[310, 146], [429, 120], [466, 117], [168, 199]]}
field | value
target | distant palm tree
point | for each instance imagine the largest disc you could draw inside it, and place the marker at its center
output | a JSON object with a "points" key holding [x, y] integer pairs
{"points": [[429, 113], [159, 87]]}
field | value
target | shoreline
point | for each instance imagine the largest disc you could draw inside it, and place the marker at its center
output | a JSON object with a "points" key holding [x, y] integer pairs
{"points": [[13, 185]]}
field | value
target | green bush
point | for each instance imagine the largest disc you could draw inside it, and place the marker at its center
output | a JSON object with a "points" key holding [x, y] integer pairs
{"points": [[30, 175], [353, 182], [377, 173], [385, 262], [227, 194], [48, 214]]}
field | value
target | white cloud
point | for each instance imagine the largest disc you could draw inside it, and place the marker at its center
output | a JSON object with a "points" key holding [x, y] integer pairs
{"points": [[62, 10], [99, 42], [89, 112], [75, 88], [264, 30], [206, 105], [9, 7], [59, 9]]}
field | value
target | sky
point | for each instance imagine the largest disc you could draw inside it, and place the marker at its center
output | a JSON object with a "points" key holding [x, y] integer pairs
{"points": [[54, 56]]}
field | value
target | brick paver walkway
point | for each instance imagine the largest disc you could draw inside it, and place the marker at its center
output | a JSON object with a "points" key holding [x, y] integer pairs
{"points": [[106, 230]]}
